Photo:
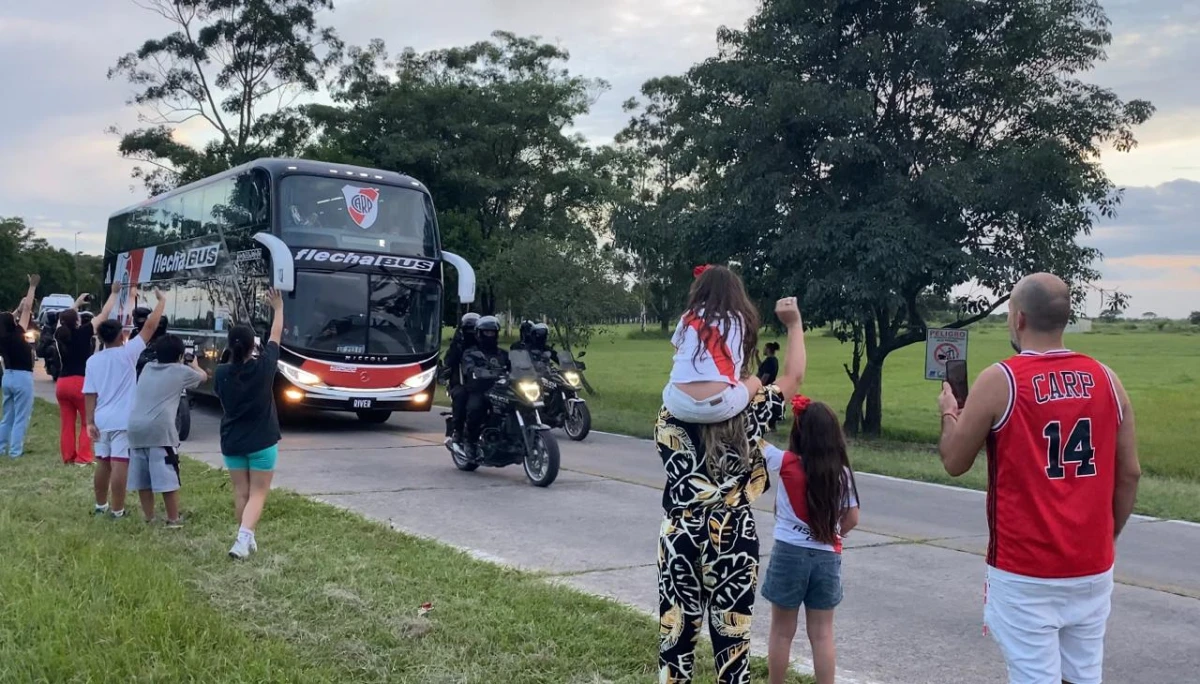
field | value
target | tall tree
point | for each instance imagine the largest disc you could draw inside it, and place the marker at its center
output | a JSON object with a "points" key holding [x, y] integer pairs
{"points": [[653, 220], [237, 65], [485, 127], [23, 252], [863, 154]]}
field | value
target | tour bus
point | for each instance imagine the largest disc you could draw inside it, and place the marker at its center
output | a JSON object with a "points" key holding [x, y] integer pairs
{"points": [[355, 250]]}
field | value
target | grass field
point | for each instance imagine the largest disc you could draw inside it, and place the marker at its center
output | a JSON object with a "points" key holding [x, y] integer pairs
{"points": [[330, 598], [1161, 372]]}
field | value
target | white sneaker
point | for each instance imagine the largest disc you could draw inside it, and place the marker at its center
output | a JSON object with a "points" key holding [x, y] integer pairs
{"points": [[253, 545], [241, 549]]}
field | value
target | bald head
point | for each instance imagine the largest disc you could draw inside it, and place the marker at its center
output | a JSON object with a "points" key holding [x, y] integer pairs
{"points": [[1045, 300]]}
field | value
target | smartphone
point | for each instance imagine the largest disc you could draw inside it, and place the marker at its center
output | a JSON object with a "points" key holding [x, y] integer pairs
{"points": [[956, 376]]}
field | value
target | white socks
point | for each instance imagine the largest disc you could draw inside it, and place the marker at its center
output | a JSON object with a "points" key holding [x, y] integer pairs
{"points": [[246, 533]]}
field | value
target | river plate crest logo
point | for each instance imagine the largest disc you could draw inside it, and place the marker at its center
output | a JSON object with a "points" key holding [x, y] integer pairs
{"points": [[363, 204]]}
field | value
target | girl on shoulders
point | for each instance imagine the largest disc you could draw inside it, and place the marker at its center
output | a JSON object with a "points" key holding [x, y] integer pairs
{"points": [[710, 382], [816, 503]]}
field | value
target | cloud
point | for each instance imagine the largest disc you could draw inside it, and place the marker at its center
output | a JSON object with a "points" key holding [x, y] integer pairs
{"points": [[1153, 220]]}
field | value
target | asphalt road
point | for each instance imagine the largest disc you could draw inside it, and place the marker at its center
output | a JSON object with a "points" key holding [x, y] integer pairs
{"points": [[913, 570]]}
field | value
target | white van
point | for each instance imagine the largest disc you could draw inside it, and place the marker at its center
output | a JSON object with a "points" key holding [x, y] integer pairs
{"points": [[56, 302]]}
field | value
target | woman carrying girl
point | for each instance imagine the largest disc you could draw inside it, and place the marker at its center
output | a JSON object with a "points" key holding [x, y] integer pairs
{"points": [[75, 340], [815, 505], [17, 392], [708, 544], [250, 426]]}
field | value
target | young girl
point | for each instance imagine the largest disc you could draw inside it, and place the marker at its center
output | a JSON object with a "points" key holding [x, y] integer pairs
{"points": [[709, 380], [815, 505], [17, 386]]}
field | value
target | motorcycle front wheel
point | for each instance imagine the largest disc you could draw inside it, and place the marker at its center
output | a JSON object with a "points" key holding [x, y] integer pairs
{"points": [[541, 460], [578, 422], [460, 459]]}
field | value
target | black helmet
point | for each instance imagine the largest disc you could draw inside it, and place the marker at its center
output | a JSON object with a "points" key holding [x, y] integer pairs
{"points": [[468, 322], [140, 315], [487, 331], [488, 323], [526, 326], [540, 333], [86, 317]]}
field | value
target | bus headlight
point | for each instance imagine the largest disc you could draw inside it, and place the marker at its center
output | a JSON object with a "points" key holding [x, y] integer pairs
{"points": [[420, 380], [572, 379], [531, 391], [299, 375]]}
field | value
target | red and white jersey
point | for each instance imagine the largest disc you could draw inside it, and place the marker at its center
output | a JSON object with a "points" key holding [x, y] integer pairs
{"points": [[718, 361], [1052, 460]]}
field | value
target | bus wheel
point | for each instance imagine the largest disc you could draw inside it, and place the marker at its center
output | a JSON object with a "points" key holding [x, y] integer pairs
{"points": [[374, 417]]}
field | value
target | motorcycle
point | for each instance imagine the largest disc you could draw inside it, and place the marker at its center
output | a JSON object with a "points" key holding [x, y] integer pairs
{"points": [[45, 347], [561, 386], [513, 431], [183, 415]]}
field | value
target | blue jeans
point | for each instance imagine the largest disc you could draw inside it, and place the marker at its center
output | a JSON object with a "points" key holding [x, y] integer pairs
{"points": [[17, 405]]}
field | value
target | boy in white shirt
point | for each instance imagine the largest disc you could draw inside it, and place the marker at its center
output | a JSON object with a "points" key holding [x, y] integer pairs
{"points": [[109, 386]]}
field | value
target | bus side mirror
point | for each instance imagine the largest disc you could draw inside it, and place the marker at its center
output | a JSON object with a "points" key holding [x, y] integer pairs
{"points": [[283, 269], [466, 277]]}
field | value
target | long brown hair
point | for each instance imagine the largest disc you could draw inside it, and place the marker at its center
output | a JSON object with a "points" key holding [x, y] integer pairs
{"points": [[68, 323], [718, 297], [818, 440]]}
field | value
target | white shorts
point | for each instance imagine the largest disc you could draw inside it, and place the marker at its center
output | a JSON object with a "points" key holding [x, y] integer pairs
{"points": [[715, 409], [112, 445], [1049, 630]]}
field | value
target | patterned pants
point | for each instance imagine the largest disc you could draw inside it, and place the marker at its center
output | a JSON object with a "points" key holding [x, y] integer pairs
{"points": [[707, 567]]}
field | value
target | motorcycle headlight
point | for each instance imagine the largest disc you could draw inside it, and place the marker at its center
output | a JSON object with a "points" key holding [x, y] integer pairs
{"points": [[299, 375], [420, 380], [531, 391], [573, 379]]}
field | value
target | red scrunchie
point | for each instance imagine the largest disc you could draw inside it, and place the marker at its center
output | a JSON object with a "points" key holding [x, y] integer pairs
{"points": [[800, 403], [699, 270]]}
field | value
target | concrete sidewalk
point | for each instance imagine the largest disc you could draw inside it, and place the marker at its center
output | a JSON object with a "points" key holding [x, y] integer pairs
{"points": [[913, 571]]}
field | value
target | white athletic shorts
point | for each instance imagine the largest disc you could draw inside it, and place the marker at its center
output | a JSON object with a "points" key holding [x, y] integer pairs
{"points": [[715, 409], [1049, 630], [112, 445]]}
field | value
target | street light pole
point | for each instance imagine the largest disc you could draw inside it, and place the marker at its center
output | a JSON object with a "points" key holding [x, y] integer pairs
{"points": [[77, 263]]}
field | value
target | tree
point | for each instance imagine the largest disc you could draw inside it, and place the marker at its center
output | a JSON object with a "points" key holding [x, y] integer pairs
{"points": [[1194, 318], [863, 154], [652, 221], [24, 252], [1149, 315], [238, 65], [568, 283], [484, 128]]}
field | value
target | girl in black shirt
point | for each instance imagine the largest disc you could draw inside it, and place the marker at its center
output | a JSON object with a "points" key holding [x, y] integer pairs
{"points": [[75, 346], [17, 354]]}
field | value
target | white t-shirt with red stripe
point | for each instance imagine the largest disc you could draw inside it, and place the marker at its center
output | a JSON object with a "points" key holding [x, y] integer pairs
{"points": [[720, 358], [791, 501]]}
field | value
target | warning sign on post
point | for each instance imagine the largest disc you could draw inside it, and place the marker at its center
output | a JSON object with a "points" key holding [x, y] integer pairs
{"points": [[942, 345]]}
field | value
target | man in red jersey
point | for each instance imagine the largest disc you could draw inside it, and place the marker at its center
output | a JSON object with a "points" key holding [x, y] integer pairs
{"points": [[1062, 481]]}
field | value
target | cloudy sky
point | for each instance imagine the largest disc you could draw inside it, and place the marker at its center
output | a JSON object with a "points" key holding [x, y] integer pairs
{"points": [[62, 172]]}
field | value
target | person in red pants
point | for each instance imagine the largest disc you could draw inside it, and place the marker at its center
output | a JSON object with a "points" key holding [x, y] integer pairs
{"points": [[74, 340]]}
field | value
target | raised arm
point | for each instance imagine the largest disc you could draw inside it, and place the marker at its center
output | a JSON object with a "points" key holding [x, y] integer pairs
{"points": [[81, 300], [151, 325], [26, 307], [965, 432], [1129, 469], [109, 304], [795, 357], [275, 299]]}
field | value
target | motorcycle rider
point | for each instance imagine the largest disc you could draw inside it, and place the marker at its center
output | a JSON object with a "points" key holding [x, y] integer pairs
{"points": [[482, 367], [463, 341], [523, 342], [539, 342]]}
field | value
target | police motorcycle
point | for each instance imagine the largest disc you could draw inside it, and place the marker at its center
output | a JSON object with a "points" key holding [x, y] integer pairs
{"points": [[561, 386], [513, 431], [183, 415]]}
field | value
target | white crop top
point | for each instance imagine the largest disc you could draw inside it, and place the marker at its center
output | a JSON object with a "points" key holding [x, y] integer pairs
{"points": [[717, 362]]}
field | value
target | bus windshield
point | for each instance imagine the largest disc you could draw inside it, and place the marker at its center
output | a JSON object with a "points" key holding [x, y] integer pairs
{"points": [[353, 214], [361, 314]]}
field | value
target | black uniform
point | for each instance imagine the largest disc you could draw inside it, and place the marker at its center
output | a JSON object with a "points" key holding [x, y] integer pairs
{"points": [[462, 343], [481, 368]]}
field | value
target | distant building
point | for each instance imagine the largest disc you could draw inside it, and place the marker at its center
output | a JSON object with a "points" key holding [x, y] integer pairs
{"points": [[1081, 325]]}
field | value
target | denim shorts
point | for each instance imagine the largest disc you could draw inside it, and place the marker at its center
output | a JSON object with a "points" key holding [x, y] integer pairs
{"points": [[715, 409], [798, 576]]}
